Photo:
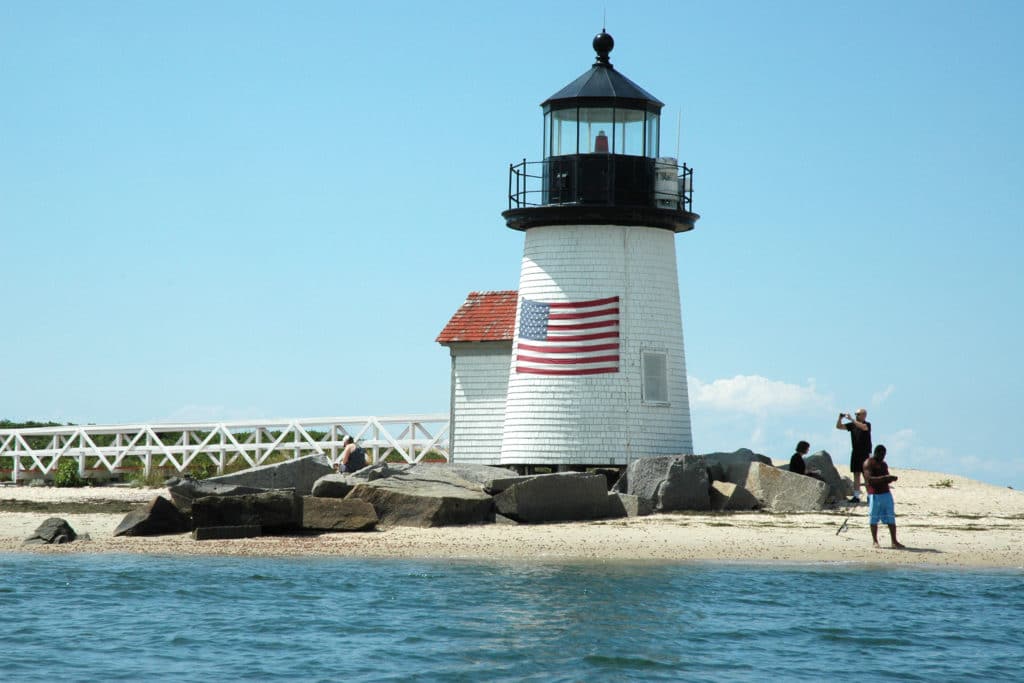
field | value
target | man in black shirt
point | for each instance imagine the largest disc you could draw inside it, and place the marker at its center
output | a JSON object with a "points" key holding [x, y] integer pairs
{"points": [[860, 441]]}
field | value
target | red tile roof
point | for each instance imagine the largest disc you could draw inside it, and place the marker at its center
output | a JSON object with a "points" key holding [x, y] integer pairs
{"points": [[486, 316]]}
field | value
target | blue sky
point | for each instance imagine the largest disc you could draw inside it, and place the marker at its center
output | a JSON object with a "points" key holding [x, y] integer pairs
{"points": [[251, 209]]}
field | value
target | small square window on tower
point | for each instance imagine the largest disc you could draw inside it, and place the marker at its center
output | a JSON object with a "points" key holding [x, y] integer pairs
{"points": [[655, 371]]}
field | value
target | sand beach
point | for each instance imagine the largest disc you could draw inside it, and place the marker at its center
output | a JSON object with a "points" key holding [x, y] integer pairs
{"points": [[944, 520]]}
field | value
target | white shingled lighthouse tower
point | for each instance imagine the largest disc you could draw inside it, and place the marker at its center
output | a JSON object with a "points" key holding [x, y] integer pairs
{"points": [[597, 373]]}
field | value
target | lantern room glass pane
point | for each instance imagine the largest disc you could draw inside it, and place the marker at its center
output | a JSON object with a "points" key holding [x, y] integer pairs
{"points": [[653, 135], [547, 135], [596, 130], [629, 132], [563, 133]]}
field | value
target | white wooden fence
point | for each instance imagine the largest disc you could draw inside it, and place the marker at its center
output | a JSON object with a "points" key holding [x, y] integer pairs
{"points": [[102, 450]]}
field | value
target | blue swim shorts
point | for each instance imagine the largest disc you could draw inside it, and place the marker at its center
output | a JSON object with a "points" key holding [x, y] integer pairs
{"points": [[881, 509]]}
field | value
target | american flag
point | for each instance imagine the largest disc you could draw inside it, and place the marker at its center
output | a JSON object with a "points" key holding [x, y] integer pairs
{"points": [[570, 338]]}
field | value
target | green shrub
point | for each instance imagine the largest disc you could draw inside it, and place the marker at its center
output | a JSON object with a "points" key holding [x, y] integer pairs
{"points": [[203, 469], [154, 480], [67, 474]]}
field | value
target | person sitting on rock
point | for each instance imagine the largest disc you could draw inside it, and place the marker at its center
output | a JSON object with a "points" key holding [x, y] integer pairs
{"points": [[353, 457], [797, 464]]}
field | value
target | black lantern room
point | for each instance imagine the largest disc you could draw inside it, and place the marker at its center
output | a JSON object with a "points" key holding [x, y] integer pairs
{"points": [[601, 162]]}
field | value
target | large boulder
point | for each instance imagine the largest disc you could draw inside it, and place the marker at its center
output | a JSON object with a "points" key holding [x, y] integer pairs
{"points": [[299, 474], [471, 477], [510, 479], [336, 514], [381, 470], [274, 511], [728, 496], [477, 474], [186, 490], [54, 530], [839, 487], [625, 505], [332, 486], [820, 463], [780, 491], [160, 516], [611, 474], [560, 497], [733, 467], [423, 497], [670, 482]]}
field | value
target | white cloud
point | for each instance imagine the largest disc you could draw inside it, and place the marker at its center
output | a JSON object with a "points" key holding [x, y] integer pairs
{"points": [[770, 416], [757, 395], [879, 398], [900, 440], [906, 449], [758, 435], [751, 411]]}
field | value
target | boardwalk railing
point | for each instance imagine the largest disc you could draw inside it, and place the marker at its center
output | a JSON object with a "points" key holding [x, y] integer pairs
{"points": [[104, 450]]}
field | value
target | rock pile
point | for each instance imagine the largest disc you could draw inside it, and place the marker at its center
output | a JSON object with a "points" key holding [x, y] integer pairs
{"points": [[307, 495], [741, 480], [272, 499]]}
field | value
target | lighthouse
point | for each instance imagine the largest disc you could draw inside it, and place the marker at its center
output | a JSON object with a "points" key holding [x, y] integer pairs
{"points": [[597, 374]]}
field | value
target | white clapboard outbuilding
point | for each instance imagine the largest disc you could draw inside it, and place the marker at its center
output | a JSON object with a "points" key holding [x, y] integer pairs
{"points": [[479, 338], [594, 364]]}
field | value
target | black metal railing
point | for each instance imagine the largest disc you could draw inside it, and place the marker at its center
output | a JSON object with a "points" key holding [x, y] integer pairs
{"points": [[600, 180]]}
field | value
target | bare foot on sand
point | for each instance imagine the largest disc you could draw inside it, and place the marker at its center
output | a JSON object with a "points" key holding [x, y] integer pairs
{"points": [[875, 543], [898, 546]]}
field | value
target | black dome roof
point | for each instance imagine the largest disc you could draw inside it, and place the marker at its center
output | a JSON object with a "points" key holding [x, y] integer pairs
{"points": [[602, 85]]}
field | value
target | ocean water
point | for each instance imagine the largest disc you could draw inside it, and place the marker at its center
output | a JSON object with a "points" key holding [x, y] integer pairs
{"points": [[146, 618]]}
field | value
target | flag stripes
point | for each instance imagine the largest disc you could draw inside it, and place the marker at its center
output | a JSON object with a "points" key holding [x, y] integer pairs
{"points": [[568, 338]]}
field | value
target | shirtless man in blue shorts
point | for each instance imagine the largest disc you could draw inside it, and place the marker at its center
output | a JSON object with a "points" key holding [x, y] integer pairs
{"points": [[880, 504]]}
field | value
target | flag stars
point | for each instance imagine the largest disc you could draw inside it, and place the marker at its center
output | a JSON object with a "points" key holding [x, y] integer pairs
{"points": [[534, 320]]}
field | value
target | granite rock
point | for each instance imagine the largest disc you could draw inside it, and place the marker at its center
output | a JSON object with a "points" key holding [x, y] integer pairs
{"points": [[778, 490], [54, 530], [160, 516], [299, 474], [733, 467], [337, 514], [273, 511], [728, 496], [560, 497], [670, 482]]}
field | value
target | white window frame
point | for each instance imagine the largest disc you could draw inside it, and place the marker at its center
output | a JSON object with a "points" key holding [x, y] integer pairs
{"points": [[658, 400]]}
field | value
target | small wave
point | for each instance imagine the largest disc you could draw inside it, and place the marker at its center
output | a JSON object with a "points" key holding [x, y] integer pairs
{"points": [[178, 641], [620, 662]]}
